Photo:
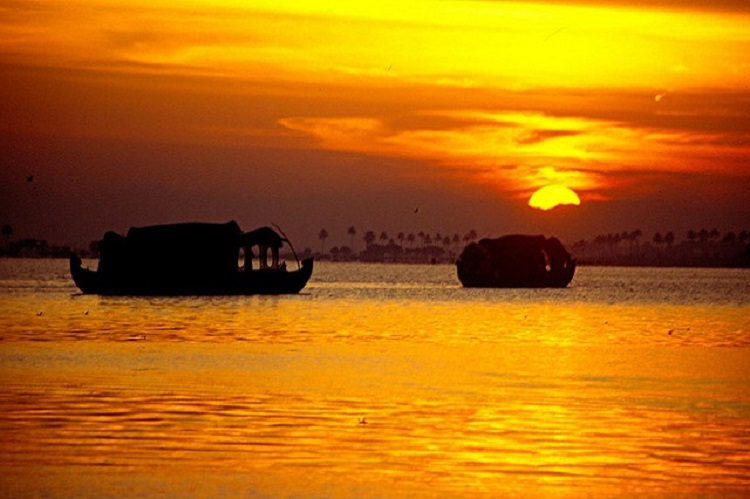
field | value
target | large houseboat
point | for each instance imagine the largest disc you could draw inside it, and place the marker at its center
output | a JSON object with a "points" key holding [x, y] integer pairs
{"points": [[191, 259]]}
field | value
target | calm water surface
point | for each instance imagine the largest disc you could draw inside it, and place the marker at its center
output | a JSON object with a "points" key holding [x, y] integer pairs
{"points": [[379, 381]]}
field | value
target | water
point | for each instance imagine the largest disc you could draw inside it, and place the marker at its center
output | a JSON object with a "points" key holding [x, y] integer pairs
{"points": [[379, 381]]}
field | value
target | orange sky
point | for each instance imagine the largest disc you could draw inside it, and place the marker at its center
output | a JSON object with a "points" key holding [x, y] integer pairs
{"points": [[353, 113]]}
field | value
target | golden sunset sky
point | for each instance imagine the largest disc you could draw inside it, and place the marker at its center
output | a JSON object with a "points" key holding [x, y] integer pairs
{"points": [[330, 114]]}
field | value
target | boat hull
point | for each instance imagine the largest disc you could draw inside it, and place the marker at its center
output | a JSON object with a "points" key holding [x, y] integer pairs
{"points": [[470, 280], [255, 282]]}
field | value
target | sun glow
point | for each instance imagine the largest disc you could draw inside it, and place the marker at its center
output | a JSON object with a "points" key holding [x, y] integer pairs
{"points": [[551, 196], [628, 100]]}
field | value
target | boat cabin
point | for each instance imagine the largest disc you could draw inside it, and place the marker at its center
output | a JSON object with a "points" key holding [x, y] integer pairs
{"points": [[191, 258], [187, 253], [263, 239]]}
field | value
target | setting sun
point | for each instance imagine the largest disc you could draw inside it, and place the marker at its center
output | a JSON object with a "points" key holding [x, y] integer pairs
{"points": [[362, 110], [551, 196]]}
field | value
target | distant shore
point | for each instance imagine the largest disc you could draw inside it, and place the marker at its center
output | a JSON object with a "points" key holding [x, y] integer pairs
{"points": [[699, 249], [585, 262]]}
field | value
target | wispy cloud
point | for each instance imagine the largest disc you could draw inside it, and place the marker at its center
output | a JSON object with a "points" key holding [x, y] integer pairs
{"points": [[519, 152], [487, 44], [612, 100]]}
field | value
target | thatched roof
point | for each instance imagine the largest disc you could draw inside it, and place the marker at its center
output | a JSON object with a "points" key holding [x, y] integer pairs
{"points": [[264, 236]]}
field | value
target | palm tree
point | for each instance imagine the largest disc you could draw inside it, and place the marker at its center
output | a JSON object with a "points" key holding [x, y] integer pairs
{"points": [[400, 238], [625, 236], [322, 235], [703, 236], [658, 239], [632, 238], [411, 238], [369, 237], [7, 232], [383, 237], [669, 239], [635, 235], [352, 232]]}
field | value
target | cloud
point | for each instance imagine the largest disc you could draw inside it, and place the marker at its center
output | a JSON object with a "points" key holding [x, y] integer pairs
{"points": [[518, 152], [537, 136], [733, 6], [501, 97]]}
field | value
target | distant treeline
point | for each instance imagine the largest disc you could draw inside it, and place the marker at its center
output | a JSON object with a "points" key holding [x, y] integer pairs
{"points": [[701, 248], [405, 247], [33, 248], [38, 248]]}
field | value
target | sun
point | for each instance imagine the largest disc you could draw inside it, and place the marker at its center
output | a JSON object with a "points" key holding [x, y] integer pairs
{"points": [[550, 196]]}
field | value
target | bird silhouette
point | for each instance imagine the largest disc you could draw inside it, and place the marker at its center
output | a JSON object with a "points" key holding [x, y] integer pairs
{"points": [[30, 178]]}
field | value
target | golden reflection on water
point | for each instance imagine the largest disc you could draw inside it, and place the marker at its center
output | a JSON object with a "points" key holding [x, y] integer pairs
{"points": [[463, 419], [374, 388], [306, 318]]}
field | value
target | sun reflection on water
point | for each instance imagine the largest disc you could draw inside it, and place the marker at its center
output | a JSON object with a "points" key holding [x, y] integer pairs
{"points": [[370, 386]]}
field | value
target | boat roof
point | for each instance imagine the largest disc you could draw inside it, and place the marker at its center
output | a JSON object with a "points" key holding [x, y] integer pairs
{"points": [[186, 233], [202, 234], [264, 236]]}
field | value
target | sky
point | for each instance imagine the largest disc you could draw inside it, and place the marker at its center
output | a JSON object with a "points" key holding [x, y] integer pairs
{"points": [[435, 116]]}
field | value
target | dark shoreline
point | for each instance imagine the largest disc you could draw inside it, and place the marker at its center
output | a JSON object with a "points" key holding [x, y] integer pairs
{"points": [[582, 262]]}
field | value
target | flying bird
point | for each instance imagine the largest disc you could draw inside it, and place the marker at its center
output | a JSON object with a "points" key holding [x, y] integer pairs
{"points": [[30, 178]]}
